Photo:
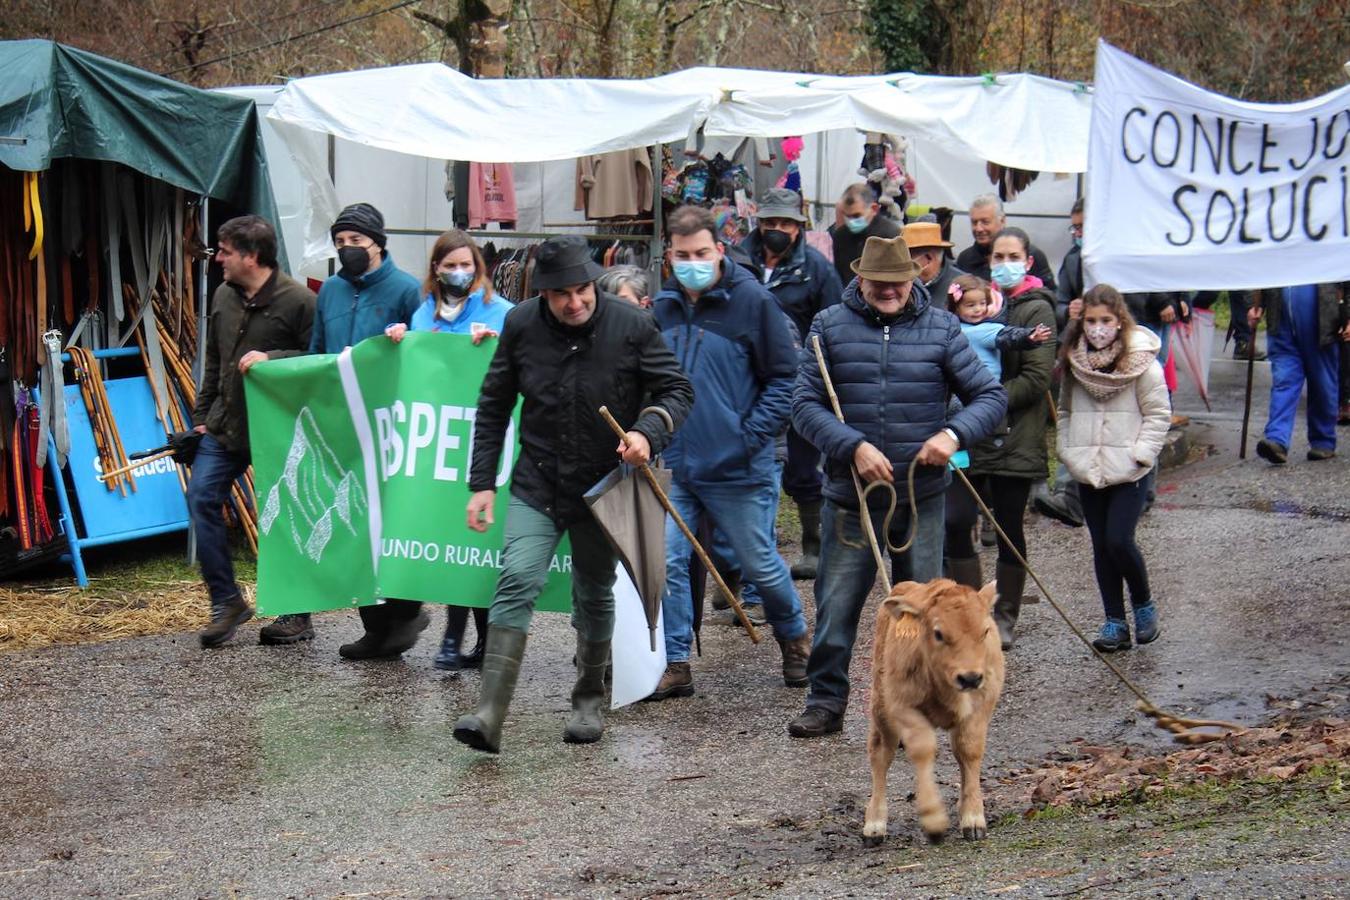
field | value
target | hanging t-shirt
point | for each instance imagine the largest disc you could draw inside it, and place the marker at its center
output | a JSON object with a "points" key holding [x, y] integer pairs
{"points": [[492, 194]]}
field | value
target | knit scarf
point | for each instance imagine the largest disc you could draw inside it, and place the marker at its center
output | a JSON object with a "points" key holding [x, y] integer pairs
{"points": [[1106, 372]]}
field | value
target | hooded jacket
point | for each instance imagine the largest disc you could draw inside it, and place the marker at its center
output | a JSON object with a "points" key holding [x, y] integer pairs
{"points": [[353, 308], [736, 348], [893, 381], [1115, 440], [803, 283], [564, 375]]}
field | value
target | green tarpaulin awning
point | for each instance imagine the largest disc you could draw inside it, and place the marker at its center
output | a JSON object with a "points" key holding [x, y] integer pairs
{"points": [[59, 102]]}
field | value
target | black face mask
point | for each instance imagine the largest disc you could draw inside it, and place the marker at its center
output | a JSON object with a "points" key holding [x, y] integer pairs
{"points": [[355, 260], [776, 242]]}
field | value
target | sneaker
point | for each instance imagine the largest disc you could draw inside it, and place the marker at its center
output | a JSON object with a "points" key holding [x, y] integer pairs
{"points": [[676, 681], [289, 629], [817, 721], [1272, 452], [753, 611], [1146, 623], [1319, 454], [1115, 635], [1054, 506], [225, 621]]}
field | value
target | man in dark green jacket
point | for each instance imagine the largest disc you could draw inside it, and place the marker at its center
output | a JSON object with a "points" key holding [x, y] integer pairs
{"points": [[258, 313]]}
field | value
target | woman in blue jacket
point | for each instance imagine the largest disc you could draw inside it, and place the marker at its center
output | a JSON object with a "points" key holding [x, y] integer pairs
{"points": [[459, 300]]}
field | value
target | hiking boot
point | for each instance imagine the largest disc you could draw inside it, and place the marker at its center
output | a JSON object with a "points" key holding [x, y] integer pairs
{"points": [[1009, 581], [987, 536], [1146, 623], [676, 681], [966, 571], [289, 629], [587, 721], [816, 721], [795, 654], [1058, 507], [369, 646], [1319, 454], [482, 729], [753, 611], [1272, 452], [1241, 349], [403, 635], [1115, 635], [805, 568], [225, 621]]}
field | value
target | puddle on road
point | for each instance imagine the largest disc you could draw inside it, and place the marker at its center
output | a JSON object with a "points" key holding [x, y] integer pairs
{"points": [[1287, 509]]}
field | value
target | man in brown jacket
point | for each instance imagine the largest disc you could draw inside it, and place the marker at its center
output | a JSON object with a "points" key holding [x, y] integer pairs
{"points": [[257, 314]]}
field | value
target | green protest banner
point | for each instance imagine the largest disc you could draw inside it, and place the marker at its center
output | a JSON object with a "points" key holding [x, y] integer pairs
{"points": [[361, 463]]}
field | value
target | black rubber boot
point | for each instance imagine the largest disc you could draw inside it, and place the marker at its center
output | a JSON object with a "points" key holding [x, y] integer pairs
{"points": [[448, 659], [805, 569], [482, 730], [1009, 580], [587, 721], [474, 658], [967, 572]]}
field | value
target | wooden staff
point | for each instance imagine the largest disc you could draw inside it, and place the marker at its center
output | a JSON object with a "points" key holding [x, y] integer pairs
{"points": [[1251, 371], [646, 471], [136, 464]]}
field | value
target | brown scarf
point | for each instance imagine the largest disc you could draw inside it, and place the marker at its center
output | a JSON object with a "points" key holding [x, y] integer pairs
{"points": [[1106, 372]]}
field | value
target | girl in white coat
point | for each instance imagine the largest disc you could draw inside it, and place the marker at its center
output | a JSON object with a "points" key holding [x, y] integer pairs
{"points": [[1113, 418]]}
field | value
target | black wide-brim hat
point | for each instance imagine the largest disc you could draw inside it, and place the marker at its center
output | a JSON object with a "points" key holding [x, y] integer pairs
{"points": [[562, 262]]}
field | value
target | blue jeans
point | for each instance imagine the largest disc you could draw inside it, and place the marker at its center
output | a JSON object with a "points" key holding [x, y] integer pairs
{"points": [[847, 575], [721, 547], [742, 512], [1296, 357], [213, 473]]}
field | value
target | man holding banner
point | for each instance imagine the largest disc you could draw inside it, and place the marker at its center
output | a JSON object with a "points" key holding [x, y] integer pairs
{"points": [[566, 352]]}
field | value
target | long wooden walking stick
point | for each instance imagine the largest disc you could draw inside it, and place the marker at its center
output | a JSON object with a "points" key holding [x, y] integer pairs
{"points": [[1247, 404], [646, 471]]}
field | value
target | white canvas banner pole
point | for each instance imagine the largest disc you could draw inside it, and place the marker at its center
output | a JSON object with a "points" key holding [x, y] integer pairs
{"points": [[1191, 190]]}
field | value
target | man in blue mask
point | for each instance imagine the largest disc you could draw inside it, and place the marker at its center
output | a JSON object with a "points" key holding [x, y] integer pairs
{"points": [[857, 217], [734, 344]]}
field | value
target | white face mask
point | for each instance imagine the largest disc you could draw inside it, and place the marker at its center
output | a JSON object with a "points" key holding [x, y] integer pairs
{"points": [[1100, 336]]}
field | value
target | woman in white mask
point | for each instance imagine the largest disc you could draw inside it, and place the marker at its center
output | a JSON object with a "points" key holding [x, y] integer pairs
{"points": [[1114, 413], [459, 300], [1008, 464]]}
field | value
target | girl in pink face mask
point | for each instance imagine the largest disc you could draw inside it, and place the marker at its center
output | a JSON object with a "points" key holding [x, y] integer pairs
{"points": [[1114, 413]]}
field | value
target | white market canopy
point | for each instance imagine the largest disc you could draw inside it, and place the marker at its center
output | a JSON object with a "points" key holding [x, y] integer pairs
{"points": [[431, 110]]}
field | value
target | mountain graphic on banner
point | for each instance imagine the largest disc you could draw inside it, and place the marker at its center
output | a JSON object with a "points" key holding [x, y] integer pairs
{"points": [[314, 492]]}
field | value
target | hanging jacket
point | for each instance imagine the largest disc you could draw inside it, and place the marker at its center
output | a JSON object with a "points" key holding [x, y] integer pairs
{"points": [[804, 282], [736, 348], [276, 321], [893, 382], [475, 312], [564, 375], [1116, 440], [351, 309], [1020, 451]]}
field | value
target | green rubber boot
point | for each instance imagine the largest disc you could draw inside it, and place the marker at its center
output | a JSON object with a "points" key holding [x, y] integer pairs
{"points": [[482, 730], [587, 721]]}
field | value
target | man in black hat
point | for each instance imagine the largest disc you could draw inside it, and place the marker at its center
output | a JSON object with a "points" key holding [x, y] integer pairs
{"points": [[367, 294], [567, 352]]}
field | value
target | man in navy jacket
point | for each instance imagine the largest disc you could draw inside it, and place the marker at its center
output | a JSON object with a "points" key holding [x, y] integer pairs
{"points": [[895, 359], [734, 344]]}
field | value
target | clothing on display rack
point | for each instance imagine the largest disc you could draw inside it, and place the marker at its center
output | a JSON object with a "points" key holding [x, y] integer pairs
{"points": [[492, 194], [615, 185]]}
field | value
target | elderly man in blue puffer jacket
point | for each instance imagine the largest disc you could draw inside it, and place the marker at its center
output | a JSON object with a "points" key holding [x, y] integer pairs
{"points": [[894, 360]]}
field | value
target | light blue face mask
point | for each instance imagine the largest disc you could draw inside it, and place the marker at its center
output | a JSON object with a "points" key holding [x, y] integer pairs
{"points": [[1078, 240], [695, 274], [857, 224], [1009, 274]]}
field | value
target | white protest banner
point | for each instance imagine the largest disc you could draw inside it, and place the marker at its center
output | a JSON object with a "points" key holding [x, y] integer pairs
{"points": [[1191, 190]]}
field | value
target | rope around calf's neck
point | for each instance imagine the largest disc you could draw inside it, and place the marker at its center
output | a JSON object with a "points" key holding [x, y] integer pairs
{"points": [[1183, 729]]}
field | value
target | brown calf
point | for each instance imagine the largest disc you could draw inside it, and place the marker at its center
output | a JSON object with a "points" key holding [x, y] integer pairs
{"points": [[936, 664]]}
